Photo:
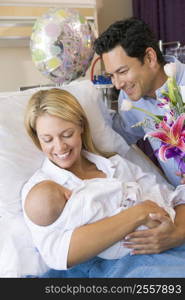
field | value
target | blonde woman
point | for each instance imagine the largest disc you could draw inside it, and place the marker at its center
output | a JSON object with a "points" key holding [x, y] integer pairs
{"points": [[58, 126]]}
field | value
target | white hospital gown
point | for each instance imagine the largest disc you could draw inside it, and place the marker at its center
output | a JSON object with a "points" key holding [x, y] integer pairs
{"points": [[125, 185]]}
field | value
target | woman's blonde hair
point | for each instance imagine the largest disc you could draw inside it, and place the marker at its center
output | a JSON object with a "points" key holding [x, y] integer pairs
{"points": [[62, 104]]}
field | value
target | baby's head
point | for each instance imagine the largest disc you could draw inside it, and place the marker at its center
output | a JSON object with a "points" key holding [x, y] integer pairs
{"points": [[50, 194], [57, 194]]}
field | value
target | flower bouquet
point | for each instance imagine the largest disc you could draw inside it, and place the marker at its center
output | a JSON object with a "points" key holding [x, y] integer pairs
{"points": [[170, 127]]}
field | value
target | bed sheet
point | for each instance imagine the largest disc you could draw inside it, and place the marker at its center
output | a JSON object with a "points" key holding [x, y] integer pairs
{"points": [[18, 256]]}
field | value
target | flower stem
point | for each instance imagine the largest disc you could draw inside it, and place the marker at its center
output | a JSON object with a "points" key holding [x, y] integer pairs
{"points": [[158, 120]]}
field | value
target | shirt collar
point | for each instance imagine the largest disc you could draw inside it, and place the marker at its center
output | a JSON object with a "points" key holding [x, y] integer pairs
{"points": [[56, 173], [102, 163]]}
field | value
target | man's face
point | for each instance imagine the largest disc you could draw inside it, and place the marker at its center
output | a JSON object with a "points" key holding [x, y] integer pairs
{"points": [[129, 74]]}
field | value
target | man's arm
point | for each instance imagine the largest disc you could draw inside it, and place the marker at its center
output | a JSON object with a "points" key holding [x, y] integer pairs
{"points": [[89, 240], [163, 237], [180, 223], [130, 135]]}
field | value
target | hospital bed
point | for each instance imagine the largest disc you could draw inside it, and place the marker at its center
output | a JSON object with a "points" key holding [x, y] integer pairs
{"points": [[19, 159]]}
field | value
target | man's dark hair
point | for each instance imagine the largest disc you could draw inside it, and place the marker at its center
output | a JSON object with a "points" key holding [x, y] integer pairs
{"points": [[133, 35]]}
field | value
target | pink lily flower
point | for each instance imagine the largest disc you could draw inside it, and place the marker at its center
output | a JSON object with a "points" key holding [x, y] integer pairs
{"points": [[171, 136]]}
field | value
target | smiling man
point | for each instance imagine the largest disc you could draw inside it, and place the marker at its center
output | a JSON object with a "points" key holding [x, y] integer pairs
{"points": [[131, 74], [133, 60]]}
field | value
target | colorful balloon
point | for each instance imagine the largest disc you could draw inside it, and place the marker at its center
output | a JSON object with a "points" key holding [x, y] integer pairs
{"points": [[62, 45]]}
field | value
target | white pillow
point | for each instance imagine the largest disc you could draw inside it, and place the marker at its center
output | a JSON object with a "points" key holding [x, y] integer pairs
{"points": [[98, 116], [19, 158]]}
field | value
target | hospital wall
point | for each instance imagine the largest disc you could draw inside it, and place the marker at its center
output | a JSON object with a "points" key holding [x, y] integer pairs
{"points": [[16, 66]]}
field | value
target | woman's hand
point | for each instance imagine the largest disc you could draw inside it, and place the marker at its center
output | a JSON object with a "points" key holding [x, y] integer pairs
{"points": [[154, 240], [96, 237], [147, 208]]}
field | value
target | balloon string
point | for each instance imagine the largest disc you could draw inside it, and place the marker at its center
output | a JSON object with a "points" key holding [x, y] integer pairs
{"points": [[93, 66]]}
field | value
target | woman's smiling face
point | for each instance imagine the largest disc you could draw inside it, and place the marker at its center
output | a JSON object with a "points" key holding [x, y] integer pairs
{"points": [[60, 140]]}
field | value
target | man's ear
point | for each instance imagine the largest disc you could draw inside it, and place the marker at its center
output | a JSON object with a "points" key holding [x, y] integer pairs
{"points": [[150, 56]]}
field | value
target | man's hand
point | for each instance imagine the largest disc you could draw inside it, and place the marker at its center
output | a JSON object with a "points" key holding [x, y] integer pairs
{"points": [[182, 177], [153, 240]]}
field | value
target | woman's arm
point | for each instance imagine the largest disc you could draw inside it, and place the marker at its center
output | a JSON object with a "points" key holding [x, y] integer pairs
{"points": [[163, 237], [43, 207], [89, 240]]}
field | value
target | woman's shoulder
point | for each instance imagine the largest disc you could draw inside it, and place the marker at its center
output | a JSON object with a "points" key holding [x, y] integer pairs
{"points": [[94, 157], [122, 164], [37, 177], [116, 158]]}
